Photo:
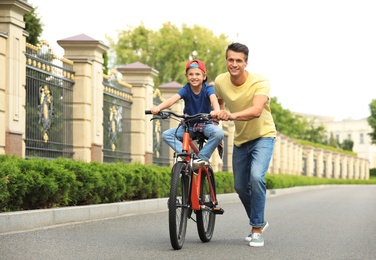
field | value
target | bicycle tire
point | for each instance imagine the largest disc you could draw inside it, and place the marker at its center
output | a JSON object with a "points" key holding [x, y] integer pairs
{"points": [[178, 205], [206, 218]]}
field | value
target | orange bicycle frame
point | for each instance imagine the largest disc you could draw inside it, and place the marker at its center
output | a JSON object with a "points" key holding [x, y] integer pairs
{"points": [[188, 144]]}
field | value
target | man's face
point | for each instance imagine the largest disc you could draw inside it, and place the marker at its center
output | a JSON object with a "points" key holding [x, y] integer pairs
{"points": [[236, 63]]}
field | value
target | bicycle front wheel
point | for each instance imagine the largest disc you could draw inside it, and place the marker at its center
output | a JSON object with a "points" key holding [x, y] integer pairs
{"points": [[178, 205], [206, 217]]}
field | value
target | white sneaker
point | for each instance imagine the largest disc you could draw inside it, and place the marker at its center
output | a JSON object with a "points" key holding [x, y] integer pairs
{"points": [[198, 163], [257, 240], [264, 227]]}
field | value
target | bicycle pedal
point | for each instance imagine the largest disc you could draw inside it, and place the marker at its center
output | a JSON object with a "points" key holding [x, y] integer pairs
{"points": [[218, 211]]}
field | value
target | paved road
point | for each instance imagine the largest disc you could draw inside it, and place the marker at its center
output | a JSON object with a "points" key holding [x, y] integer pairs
{"points": [[330, 222]]}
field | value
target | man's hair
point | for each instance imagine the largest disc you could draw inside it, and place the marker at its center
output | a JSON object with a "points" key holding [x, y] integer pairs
{"points": [[238, 47]]}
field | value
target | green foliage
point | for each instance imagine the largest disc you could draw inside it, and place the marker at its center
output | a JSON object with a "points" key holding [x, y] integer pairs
{"points": [[347, 144], [168, 50], [224, 182], [40, 183], [333, 142], [305, 131], [280, 181], [286, 122], [105, 63], [296, 126], [325, 147], [372, 121], [33, 26]]}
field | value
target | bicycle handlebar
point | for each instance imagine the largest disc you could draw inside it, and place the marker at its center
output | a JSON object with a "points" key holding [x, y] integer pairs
{"points": [[167, 114]]}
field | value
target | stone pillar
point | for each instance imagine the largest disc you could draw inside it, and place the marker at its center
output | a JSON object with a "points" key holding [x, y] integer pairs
{"points": [[298, 155], [283, 154], [3, 114], [318, 154], [12, 79], [290, 156], [276, 159], [343, 162], [141, 77], [337, 167], [308, 152], [87, 55], [350, 163], [356, 168], [365, 175], [230, 143], [328, 164]]}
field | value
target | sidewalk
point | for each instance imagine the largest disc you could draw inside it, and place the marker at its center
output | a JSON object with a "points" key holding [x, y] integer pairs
{"points": [[20, 221]]}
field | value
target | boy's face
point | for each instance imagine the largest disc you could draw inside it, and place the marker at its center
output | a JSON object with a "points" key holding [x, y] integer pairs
{"points": [[195, 76]]}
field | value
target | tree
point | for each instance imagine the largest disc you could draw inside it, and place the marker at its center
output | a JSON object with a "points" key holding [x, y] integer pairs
{"points": [[33, 26], [347, 144], [296, 126], [105, 62], [333, 142], [168, 50], [372, 120]]}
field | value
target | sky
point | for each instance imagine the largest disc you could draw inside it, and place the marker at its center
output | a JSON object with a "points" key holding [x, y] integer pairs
{"points": [[319, 55]]}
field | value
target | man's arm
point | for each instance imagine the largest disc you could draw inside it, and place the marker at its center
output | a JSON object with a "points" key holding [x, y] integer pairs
{"points": [[221, 104], [254, 111]]}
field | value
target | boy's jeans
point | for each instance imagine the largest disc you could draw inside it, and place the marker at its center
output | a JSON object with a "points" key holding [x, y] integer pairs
{"points": [[212, 132], [250, 163]]}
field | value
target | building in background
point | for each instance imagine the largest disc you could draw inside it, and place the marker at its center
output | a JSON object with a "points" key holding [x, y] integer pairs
{"points": [[355, 130]]}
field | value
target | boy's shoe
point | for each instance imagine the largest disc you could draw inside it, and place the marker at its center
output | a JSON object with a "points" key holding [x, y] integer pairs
{"points": [[264, 227], [257, 240], [198, 163]]}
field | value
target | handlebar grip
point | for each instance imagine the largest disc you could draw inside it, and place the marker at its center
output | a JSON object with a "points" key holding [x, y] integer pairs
{"points": [[148, 112]]}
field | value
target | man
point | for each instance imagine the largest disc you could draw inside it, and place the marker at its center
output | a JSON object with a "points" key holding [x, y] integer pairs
{"points": [[246, 96]]}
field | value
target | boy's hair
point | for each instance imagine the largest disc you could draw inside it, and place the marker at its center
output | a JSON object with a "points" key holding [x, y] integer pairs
{"points": [[238, 47]]}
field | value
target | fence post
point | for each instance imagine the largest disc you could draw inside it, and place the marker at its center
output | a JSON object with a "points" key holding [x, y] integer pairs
{"points": [[12, 79], [87, 56], [141, 77]]}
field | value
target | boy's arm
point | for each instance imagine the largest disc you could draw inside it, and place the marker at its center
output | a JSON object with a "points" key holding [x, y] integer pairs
{"points": [[165, 104], [214, 103]]}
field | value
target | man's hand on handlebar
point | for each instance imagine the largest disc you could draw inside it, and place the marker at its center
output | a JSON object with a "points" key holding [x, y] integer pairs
{"points": [[225, 115]]}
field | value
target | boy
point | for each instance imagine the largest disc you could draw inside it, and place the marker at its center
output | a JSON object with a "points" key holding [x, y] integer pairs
{"points": [[198, 97]]}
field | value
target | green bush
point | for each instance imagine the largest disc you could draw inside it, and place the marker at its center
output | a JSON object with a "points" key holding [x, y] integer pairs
{"points": [[372, 172], [40, 183]]}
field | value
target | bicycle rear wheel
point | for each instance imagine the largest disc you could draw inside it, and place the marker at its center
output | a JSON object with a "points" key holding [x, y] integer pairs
{"points": [[206, 217], [178, 205]]}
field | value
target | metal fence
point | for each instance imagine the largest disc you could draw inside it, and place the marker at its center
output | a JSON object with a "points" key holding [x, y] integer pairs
{"points": [[161, 151], [117, 102], [49, 95]]}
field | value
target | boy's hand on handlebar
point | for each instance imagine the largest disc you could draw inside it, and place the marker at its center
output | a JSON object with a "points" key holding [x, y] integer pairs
{"points": [[213, 114], [155, 110]]}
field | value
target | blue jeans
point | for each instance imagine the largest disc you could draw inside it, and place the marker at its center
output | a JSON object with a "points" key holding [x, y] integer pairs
{"points": [[250, 163], [212, 132]]}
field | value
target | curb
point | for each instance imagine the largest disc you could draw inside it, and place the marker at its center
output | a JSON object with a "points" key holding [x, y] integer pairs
{"points": [[21, 221]]}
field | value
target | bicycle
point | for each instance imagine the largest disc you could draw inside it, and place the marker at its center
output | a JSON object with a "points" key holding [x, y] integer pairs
{"points": [[190, 191]]}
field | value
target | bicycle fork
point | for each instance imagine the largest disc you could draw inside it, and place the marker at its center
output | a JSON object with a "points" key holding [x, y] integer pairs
{"points": [[196, 202]]}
